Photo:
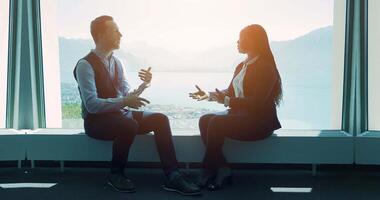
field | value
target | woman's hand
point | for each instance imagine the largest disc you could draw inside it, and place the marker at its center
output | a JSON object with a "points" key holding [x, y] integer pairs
{"points": [[199, 95], [217, 96]]}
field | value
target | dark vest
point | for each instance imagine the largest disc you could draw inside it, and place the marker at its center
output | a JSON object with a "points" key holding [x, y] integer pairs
{"points": [[106, 87]]}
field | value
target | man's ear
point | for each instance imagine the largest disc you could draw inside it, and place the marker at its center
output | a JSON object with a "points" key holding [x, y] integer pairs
{"points": [[100, 37]]}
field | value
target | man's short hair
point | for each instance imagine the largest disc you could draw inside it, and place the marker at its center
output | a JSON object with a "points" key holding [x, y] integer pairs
{"points": [[98, 25]]}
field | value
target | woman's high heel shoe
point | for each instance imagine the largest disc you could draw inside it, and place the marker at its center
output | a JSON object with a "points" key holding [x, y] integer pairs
{"points": [[204, 179], [223, 178]]}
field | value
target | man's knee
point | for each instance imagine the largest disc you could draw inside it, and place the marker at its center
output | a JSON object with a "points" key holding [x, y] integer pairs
{"points": [[127, 132], [160, 118], [126, 128], [131, 126]]}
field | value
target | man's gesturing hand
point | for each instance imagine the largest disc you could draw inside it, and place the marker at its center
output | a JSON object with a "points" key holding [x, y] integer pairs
{"points": [[145, 75], [133, 101]]}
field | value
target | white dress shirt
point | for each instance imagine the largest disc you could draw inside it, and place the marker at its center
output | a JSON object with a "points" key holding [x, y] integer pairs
{"points": [[86, 82]]}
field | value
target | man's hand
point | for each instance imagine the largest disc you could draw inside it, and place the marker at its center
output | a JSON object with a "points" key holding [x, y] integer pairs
{"points": [[134, 101], [217, 96], [199, 95], [145, 75], [140, 89]]}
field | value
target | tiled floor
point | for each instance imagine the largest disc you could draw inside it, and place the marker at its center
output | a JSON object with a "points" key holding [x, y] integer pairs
{"points": [[82, 183]]}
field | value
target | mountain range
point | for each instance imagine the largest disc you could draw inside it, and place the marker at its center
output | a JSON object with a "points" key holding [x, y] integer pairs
{"points": [[305, 58]]}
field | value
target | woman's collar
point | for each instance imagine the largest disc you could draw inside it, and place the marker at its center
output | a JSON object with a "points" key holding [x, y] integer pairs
{"points": [[252, 60]]}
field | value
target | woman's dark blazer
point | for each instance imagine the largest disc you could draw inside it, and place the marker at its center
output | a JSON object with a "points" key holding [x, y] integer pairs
{"points": [[260, 84]]}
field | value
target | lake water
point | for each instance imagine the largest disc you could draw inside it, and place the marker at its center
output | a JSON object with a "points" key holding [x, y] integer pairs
{"points": [[304, 106]]}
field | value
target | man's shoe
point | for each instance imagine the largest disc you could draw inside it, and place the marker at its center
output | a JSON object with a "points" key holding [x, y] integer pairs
{"points": [[177, 183], [120, 183]]}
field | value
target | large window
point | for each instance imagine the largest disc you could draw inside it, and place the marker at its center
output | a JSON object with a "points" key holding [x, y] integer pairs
{"points": [[51, 59], [4, 17], [373, 64], [190, 42]]}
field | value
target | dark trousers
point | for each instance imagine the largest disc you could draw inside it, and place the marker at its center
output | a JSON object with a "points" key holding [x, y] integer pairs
{"points": [[216, 127], [122, 127]]}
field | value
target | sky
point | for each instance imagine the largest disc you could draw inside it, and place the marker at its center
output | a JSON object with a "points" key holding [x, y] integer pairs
{"points": [[194, 24]]}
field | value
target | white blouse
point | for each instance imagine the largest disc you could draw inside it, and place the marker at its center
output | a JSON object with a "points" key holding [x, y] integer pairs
{"points": [[238, 81]]}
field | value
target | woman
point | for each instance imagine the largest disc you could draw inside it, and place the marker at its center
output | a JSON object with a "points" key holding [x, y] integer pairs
{"points": [[252, 97]]}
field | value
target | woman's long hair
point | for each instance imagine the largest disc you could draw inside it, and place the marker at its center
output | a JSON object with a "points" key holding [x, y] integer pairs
{"points": [[259, 39]]}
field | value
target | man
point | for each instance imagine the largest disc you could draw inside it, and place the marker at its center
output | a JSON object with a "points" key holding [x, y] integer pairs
{"points": [[105, 93]]}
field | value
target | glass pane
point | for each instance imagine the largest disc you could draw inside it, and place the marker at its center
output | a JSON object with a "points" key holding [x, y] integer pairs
{"points": [[373, 64], [4, 20], [184, 49]]}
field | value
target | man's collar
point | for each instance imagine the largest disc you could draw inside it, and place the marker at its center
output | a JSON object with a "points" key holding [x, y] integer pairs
{"points": [[101, 54]]}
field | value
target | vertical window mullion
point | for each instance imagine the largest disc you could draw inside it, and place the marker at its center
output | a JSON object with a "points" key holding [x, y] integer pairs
{"points": [[355, 73]]}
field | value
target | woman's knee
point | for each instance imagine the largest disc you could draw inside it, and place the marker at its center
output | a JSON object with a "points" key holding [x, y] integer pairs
{"points": [[203, 126], [204, 120], [216, 125]]}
